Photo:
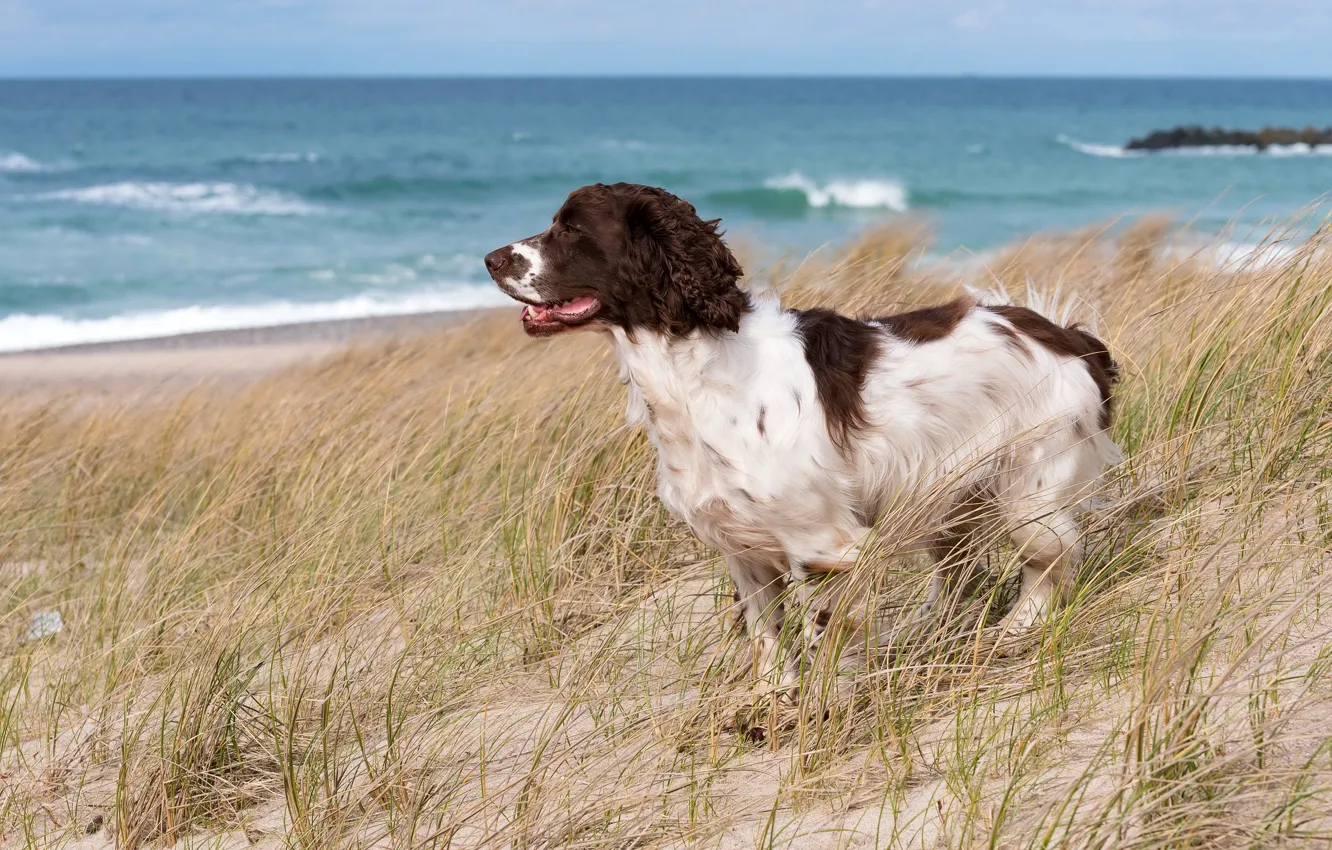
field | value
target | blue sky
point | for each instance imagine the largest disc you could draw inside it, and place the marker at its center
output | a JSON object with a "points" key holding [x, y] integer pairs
{"points": [[519, 37]]}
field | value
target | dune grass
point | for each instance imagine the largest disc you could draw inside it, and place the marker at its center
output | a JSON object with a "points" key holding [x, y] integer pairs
{"points": [[422, 594]]}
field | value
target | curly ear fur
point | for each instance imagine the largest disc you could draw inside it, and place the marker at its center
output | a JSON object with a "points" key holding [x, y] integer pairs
{"points": [[690, 272]]}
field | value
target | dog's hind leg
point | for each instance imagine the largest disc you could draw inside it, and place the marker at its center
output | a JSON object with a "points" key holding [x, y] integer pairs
{"points": [[1050, 548], [958, 549], [1038, 506]]}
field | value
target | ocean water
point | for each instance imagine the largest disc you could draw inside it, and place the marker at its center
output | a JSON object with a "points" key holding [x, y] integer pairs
{"points": [[142, 208]]}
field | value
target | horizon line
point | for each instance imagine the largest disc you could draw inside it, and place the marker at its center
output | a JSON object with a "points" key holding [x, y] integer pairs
{"points": [[463, 76]]}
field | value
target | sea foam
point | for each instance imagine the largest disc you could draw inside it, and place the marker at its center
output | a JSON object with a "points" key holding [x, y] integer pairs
{"points": [[1237, 256], [1121, 152], [284, 156], [23, 332], [852, 194], [1109, 151], [231, 198], [14, 162]]}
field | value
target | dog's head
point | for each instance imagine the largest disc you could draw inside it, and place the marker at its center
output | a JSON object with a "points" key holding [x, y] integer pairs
{"points": [[622, 255]]}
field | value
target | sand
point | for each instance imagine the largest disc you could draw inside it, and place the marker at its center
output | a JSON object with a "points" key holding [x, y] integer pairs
{"points": [[176, 361]]}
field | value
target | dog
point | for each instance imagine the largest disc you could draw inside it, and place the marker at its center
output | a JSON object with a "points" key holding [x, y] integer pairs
{"points": [[782, 434]]}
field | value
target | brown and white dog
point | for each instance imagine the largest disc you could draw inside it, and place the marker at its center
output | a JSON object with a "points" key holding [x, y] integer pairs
{"points": [[781, 434]]}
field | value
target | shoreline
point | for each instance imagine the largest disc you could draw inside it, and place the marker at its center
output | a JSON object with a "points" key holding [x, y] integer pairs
{"points": [[183, 359], [330, 331]]}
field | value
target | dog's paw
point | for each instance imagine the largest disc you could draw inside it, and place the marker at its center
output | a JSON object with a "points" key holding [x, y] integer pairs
{"points": [[1006, 640], [1023, 618]]}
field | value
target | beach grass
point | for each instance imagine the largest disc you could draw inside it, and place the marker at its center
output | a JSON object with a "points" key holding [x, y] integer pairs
{"points": [[422, 594]]}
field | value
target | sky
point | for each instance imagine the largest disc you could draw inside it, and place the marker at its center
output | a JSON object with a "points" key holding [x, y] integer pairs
{"points": [[630, 37]]}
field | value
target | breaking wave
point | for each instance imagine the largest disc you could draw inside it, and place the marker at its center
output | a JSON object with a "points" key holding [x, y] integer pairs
{"points": [[794, 195], [852, 194], [227, 198]]}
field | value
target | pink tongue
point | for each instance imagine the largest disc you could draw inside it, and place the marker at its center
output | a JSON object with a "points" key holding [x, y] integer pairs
{"points": [[575, 309]]}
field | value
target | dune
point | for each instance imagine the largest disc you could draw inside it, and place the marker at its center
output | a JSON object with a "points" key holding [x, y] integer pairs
{"points": [[415, 589]]}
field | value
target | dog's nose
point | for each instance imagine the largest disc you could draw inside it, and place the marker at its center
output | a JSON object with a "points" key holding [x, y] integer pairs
{"points": [[496, 260]]}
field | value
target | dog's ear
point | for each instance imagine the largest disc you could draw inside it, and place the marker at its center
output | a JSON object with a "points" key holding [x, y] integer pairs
{"points": [[683, 259]]}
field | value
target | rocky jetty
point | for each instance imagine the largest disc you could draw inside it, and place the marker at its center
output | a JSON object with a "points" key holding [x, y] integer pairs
{"points": [[1196, 136]]}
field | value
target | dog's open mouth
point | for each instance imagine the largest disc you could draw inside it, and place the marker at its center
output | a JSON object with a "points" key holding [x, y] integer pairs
{"points": [[547, 319]]}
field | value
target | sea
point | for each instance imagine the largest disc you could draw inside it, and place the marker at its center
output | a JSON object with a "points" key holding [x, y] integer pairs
{"points": [[141, 208]]}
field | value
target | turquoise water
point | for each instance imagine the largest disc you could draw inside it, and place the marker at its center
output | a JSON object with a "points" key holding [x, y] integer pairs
{"points": [[135, 208]]}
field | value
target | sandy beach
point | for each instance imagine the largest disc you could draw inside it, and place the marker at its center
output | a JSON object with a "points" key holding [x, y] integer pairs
{"points": [[176, 361]]}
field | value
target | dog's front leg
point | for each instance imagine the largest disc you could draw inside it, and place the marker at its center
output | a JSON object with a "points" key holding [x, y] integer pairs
{"points": [[759, 582], [821, 567]]}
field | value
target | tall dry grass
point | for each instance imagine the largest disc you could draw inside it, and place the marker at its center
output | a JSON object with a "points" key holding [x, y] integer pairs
{"points": [[422, 594]]}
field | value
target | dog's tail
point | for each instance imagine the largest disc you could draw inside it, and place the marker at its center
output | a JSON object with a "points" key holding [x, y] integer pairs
{"points": [[1079, 339], [1054, 306], [1052, 303]]}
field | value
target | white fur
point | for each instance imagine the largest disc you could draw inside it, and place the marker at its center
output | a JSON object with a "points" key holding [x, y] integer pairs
{"points": [[524, 288], [969, 410]]}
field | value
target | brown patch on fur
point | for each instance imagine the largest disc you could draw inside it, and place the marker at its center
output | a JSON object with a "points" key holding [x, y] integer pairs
{"points": [[763, 414], [839, 351], [1013, 340], [822, 619], [1068, 342], [928, 324]]}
